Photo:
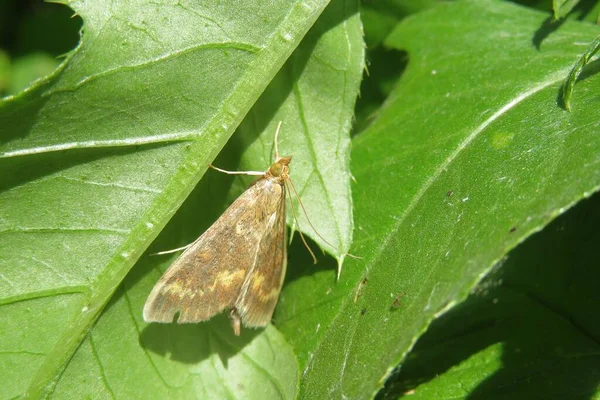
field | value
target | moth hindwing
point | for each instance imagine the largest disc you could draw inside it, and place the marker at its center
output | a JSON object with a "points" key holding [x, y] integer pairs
{"points": [[237, 264]]}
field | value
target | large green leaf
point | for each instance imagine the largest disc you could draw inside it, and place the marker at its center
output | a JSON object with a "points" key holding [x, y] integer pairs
{"points": [[96, 159], [529, 330], [470, 155]]}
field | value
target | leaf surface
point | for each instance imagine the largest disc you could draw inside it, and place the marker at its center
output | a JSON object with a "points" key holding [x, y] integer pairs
{"points": [[470, 155], [529, 330], [96, 158]]}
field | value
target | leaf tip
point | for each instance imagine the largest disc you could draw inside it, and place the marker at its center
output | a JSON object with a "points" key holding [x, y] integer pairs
{"points": [[340, 261]]}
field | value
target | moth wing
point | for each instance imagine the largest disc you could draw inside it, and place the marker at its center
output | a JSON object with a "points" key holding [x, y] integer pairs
{"points": [[208, 276], [260, 291]]}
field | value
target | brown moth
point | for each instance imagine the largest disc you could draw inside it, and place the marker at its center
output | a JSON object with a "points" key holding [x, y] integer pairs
{"points": [[237, 264]]}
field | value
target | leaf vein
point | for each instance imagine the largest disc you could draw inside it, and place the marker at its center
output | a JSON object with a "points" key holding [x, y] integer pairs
{"points": [[247, 47], [26, 352], [462, 145], [313, 154], [109, 184], [166, 137], [51, 268], [64, 230], [145, 350], [44, 293], [102, 372], [188, 9]]}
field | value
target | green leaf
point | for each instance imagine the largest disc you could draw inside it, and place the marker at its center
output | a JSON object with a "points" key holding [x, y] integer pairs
{"points": [[314, 95], [27, 69], [576, 71], [530, 330], [274, 371], [470, 155], [563, 7], [384, 66], [97, 157]]}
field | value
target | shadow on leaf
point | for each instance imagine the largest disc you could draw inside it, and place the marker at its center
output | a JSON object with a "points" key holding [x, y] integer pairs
{"points": [[550, 25], [192, 343], [530, 327]]}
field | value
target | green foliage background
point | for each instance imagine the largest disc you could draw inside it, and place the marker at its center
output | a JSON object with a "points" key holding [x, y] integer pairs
{"points": [[451, 168]]}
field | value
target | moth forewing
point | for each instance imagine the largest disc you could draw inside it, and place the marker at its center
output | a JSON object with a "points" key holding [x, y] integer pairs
{"points": [[260, 291], [238, 263]]}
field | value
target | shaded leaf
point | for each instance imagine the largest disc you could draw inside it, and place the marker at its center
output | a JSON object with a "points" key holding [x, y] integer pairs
{"points": [[25, 70], [529, 330], [175, 361]]}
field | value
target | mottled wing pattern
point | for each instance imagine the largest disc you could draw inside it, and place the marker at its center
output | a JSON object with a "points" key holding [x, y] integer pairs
{"points": [[208, 276], [260, 291]]}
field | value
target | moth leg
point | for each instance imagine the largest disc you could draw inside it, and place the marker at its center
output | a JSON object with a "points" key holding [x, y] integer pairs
{"points": [[255, 173], [160, 253], [236, 321]]}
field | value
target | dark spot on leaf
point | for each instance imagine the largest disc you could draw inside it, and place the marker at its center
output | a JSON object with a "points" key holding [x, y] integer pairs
{"points": [[397, 301]]}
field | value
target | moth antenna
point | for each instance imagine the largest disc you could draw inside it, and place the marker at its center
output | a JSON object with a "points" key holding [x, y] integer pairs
{"points": [[341, 260], [306, 215], [253, 173], [300, 232], [293, 228], [160, 253], [277, 140]]}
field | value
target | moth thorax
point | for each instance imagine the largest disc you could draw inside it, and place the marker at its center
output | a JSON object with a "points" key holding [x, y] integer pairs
{"points": [[280, 168]]}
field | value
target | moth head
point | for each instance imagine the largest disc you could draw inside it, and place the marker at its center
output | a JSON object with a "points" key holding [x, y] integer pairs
{"points": [[280, 168]]}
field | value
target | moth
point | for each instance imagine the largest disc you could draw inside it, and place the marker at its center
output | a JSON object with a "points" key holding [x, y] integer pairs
{"points": [[238, 264]]}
